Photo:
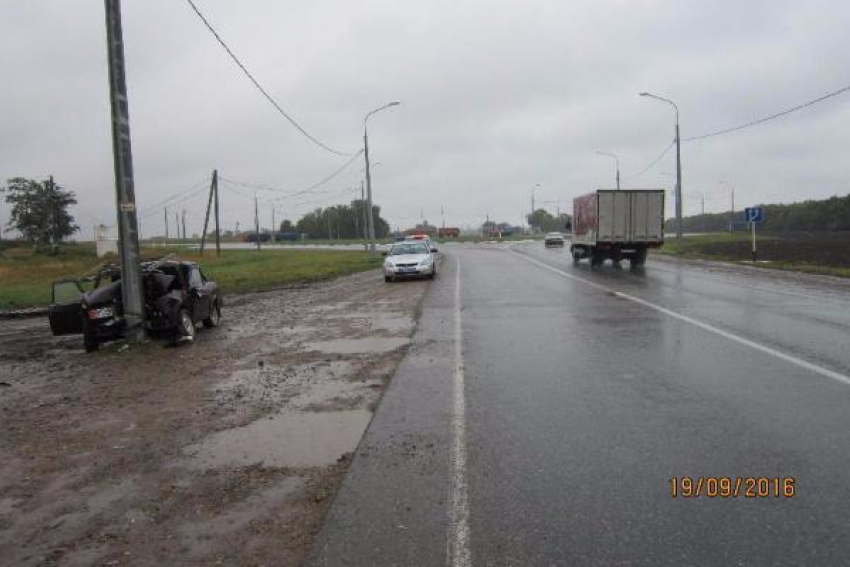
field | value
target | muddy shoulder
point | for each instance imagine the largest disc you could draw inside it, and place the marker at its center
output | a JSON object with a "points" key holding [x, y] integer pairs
{"points": [[225, 451]]}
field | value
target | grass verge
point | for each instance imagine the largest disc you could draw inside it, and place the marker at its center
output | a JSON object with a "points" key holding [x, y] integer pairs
{"points": [[26, 277], [815, 253]]}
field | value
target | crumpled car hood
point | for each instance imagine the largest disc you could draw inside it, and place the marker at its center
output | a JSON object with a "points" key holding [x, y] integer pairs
{"points": [[104, 294]]}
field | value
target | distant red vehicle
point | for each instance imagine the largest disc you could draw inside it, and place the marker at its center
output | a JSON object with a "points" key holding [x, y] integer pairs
{"points": [[448, 232]]}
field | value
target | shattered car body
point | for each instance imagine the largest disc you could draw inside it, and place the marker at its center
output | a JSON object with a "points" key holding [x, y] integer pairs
{"points": [[177, 297]]}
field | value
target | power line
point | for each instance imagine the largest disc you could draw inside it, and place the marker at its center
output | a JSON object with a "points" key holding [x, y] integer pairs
{"points": [[771, 117], [295, 193], [652, 163], [260, 88], [173, 200]]}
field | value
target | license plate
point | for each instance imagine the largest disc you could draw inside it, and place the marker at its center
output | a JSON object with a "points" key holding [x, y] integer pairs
{"points": [[407, 270], [101, 313]]}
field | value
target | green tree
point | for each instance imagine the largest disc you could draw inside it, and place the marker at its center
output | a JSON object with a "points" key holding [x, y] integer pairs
{"points": [[341, 221], [40, 210], [544, 221]]}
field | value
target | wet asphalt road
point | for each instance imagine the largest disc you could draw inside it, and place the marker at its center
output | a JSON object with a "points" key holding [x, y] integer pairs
{"points": [[583, 392]]}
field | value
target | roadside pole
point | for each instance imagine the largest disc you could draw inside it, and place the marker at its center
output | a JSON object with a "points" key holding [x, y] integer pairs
{"points": [[165, 216], [370, 226], [753, 225], [217, 233], [365, 221], [184, 223], [207, 216], [131, 286], [256, 221]]}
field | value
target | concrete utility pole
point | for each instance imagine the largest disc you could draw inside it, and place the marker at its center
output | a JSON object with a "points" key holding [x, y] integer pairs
{"points": [[165, 215], [678, 164], [616, 161], [256, 221], [369, 212], [207, 216], [177, 223], [184, 223], [217, 231], [131, 281], [365, 219], [274, 230]]}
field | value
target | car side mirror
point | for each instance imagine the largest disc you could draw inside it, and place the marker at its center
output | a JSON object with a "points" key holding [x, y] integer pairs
{"points": [[434, 250], [384, 253]]}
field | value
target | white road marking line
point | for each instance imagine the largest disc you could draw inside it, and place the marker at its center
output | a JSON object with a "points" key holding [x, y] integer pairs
{"points": [[458, 552], [705, 326]]}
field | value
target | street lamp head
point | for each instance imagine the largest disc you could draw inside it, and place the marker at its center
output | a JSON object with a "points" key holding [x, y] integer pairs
{"points": [[643, 94]]}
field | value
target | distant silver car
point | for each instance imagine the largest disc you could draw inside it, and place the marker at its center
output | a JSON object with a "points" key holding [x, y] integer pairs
{"points": [[553, 239], [410, 259]]}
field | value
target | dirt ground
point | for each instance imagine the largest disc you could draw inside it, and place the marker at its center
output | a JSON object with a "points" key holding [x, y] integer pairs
{"points": [[224, 451]]}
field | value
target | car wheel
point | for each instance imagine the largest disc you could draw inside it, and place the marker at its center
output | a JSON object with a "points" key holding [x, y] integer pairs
{"points": [[388, 279], [90, 343], [187, 326], [215, 317]]}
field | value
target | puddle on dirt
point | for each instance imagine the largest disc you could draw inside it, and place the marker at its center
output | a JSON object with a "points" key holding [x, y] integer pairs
{"points": [[391, 322], [355, 346], [295, 439]]}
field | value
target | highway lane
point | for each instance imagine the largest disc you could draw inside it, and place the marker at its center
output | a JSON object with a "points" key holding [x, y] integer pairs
{"points": [[580, 404]]}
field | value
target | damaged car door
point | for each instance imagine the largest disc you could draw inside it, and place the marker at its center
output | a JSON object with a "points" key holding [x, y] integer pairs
{"points": [[65, 312]]}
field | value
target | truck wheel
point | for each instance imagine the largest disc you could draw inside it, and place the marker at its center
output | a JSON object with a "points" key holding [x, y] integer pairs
{"points": [[215, 317], [639, 259], [596, 260]]}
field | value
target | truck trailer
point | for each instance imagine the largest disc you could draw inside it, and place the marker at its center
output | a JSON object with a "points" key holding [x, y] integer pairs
{"points": [[617, 224]]}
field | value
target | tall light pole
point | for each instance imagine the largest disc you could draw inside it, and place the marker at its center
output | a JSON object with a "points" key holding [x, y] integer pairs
{"points": [[369, 213], [678, 164], [616, 163], [537, 187]]}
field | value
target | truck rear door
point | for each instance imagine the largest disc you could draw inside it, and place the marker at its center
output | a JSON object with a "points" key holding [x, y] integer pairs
{"points": [[614, 216], [647, 222]]}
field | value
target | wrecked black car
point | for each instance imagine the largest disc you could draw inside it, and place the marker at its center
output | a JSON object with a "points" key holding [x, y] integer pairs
{"points": [[177, 298]]}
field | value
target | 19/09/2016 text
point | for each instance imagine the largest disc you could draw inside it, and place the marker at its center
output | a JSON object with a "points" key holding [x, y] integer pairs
{"points": [[732, 487]]}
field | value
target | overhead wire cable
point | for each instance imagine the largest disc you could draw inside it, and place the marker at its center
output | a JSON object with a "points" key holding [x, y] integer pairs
{"points": [[768, 118], [256, 83], [652, 164], [295, 193]]}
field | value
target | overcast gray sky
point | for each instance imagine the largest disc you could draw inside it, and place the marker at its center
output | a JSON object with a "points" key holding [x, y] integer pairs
{"points": [[496, 97]]}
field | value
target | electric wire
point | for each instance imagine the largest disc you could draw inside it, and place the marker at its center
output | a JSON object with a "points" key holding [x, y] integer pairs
{"points": [[290, 193], [768, 118], [260, 88], [652, 164]]}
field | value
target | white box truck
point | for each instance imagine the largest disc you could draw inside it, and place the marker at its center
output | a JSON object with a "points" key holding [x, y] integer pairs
{"points": [[617, 224]]}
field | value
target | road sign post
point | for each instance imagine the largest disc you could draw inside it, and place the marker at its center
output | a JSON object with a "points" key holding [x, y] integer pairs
{"points": [[754, 215]]}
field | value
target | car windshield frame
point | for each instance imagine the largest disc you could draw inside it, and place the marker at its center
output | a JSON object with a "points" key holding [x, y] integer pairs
{"points": [[406, 248]]}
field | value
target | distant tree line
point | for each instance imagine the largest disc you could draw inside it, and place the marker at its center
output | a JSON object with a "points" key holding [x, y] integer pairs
{"points": [[807, 216], [339, 221]]}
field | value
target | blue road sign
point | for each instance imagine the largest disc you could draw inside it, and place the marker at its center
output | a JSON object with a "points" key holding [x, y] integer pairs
{"points": [[754, 214]]}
